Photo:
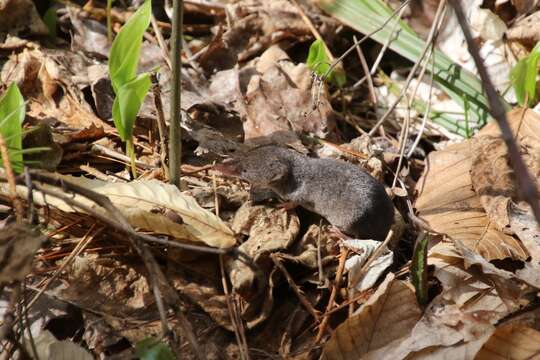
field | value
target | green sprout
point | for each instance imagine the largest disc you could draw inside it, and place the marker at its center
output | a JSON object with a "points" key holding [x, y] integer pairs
{"points": [[523, 77], [130, 88], [153, 349], [319, 62], [12, 112]]}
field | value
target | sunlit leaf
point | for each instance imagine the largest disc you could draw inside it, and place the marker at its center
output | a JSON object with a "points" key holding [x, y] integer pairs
{"points": [[523, 77], [12, 112], [127, 103], [126, 47], [319, 62]]}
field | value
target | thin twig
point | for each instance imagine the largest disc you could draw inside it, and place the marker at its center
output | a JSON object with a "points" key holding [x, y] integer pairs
{"points": [[333, 294], [19, 210], [365, 67], [175, 130], [309, 307], [412, 73], [526, 186], [79, 248], [378, 252], [161, 41], [118, 221], [162, 126], [364, 38]]}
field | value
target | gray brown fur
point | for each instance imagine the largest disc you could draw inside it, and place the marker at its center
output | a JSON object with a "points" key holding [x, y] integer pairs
{"points": [[347, 196]]}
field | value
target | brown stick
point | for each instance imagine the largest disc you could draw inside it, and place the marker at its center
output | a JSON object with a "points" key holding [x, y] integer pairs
{"points": [[10, 176], [309, 307], [526, 187], [337, 282]]}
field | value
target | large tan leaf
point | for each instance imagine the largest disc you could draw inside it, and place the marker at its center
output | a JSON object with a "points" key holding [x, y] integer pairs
{"points": [[143, 204], [380, 325], [491, 173], [511, 341], [448, 203]]}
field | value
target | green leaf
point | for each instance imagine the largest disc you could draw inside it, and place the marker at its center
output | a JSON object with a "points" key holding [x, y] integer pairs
{"points": [[319, 62], [51, 19], [126, 47], [523, 77], [12, 112], [461, 85], [128, 101], [419, 269], [152, 349]]}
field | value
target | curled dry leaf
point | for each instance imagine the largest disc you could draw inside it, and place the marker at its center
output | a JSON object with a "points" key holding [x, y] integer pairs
{"points": [[270, 230], [380, 325], [445, 329], [448, 203], [364, 249], [144, 202], [465, 288], [511, 341]]}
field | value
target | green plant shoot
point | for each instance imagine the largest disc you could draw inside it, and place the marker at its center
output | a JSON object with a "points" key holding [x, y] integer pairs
{"points": [[130, 88], [523, 77], [153, 349], [12, 112], [319, 62], [50, 19]]}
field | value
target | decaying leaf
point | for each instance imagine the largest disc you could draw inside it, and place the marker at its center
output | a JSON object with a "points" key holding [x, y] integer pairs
{"points": [[18, 244], [448, 203], [524, 225], [378, 326], [255, 25], [354, 264], [279, 102], [144, 202], [270, 230], [511, 341], [20, 16]]}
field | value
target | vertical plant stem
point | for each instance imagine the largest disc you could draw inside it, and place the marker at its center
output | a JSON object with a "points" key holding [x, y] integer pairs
{"points": [[109, 20], [175, 131], [130, 151]]}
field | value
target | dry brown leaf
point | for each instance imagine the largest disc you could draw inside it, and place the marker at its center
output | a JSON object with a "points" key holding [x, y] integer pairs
{"points": [[379, 326], [270, 230], [492, 176], [279, 102], [444, 326], [511, 341], [18, 244], [144, 202], [526, 30], [524, 225], [255, 25], [21, 16], [448, 203]]}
